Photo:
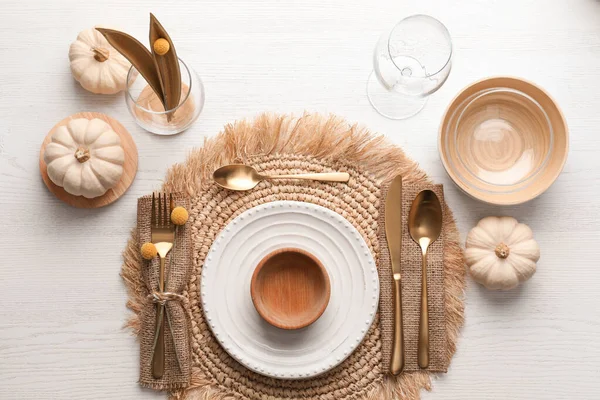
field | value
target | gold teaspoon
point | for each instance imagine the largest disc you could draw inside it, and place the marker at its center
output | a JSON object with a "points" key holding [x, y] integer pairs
{"points": [[244, 177], [424, 226]]}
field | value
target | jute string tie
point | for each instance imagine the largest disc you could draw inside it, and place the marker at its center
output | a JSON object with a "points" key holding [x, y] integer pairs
{"points": [[163, 297]]}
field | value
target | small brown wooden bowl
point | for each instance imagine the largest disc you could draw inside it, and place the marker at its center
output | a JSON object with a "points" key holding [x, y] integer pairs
{"points": [[290, 288]]}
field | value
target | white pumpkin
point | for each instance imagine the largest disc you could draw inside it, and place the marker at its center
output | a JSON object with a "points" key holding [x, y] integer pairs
{"points": [[96, 65], [501, 253], [85, 157]]}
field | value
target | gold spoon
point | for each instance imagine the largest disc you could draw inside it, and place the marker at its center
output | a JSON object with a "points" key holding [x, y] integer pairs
{"points": [[424, 226], [244, 177]]}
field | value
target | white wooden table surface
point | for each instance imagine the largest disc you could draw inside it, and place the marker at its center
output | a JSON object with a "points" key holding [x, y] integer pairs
{"points": [[62, 302]]}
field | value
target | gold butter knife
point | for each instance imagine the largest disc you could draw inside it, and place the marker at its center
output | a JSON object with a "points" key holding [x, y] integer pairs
{"points": [[393, 234]]}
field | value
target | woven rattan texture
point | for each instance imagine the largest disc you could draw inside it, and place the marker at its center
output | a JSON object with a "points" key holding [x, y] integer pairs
{"points": [[284, 144]]}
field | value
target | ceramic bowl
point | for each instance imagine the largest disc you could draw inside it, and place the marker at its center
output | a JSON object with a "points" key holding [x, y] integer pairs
{"points": [[503, 140], [290, 288]]}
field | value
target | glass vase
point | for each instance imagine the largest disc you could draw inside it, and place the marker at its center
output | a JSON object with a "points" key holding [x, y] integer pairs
{"points": [[148, 111]]}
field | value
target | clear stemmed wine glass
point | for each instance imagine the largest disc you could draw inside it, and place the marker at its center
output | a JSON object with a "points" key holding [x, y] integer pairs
{"points": [[410, 62]]}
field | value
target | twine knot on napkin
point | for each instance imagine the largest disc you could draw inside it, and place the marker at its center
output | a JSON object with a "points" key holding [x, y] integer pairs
{"points": [[163, 297]]}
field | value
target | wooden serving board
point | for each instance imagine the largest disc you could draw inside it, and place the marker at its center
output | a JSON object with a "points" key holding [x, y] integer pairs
{"points": [[129, 167]]}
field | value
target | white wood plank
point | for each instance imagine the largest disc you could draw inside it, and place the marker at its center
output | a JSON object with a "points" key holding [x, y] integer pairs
{"points": [[62, 300]]}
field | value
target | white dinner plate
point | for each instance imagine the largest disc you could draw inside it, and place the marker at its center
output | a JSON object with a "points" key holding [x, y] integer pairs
{"points": [[228, 307]]}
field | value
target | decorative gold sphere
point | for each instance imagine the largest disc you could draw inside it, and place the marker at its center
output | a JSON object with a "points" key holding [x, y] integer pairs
{"points": [[149, 251], [161, 46], [179, 216]]}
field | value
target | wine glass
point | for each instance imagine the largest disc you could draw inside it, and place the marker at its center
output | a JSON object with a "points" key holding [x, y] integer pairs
{"points": [[410, 62]]}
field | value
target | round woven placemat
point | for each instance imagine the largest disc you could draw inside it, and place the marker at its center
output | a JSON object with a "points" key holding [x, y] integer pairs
{"points": [[283, 144]]}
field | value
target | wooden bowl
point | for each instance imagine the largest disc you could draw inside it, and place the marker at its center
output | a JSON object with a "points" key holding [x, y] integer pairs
{"points": [[290, 288], [503, 140]]}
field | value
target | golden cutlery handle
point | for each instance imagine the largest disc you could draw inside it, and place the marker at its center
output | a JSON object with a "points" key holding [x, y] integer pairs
{"points": [[397, 363], [323, 177], [158, 361], [423, 354]]}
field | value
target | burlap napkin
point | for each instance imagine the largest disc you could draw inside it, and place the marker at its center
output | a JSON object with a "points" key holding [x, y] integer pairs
{"points": [[411, 289], [177, 357]]}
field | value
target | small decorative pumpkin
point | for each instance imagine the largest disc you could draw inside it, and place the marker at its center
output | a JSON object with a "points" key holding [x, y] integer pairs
{"points": [[96, 65], [501, 253], [85, 157]]}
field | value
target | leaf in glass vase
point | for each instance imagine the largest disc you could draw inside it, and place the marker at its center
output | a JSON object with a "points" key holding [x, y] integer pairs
{"points": [[138, 55], [167, 64]]}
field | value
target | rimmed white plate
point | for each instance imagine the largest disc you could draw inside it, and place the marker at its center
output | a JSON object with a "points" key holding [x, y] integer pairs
{"points": [[228, 308]]}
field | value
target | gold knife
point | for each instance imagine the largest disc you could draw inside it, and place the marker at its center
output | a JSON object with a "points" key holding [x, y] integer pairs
{"points": [[393, 234]]}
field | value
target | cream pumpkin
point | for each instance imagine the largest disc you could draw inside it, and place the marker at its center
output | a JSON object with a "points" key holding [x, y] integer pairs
{"points": [[85, 157], [96, 65], [501, 253]]}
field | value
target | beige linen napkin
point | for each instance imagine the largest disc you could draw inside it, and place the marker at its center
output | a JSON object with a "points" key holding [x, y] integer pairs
{"points": [[177, 343], [411, 289]]}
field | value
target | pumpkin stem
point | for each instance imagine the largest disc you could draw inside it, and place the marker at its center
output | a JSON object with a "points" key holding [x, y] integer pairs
{"points": [[100, 54], [502, 250], [82, 155]]}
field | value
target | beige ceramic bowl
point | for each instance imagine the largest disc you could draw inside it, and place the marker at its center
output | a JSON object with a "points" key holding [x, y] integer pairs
{"points": [[503, 140]]}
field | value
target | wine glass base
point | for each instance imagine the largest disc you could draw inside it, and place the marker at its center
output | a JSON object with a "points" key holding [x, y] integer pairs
{"points": [[390, 104]]}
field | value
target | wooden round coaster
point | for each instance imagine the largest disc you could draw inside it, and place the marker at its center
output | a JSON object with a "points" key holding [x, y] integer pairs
{"points": [[129, 167]]}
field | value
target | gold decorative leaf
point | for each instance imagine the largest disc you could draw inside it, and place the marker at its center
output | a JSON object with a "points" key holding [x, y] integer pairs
{"points": [[138, 55], [167, 66]]}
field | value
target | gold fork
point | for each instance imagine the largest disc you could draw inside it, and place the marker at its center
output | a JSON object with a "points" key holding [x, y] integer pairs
{"points": [[163, 235]]}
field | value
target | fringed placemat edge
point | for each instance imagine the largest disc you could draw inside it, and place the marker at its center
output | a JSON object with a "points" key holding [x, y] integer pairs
{"points": [[313, 135]]}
